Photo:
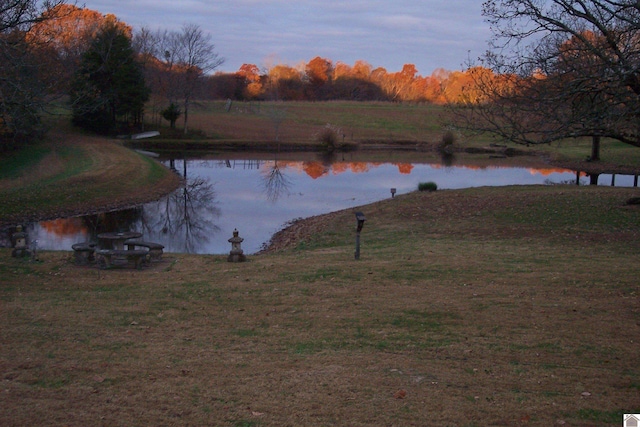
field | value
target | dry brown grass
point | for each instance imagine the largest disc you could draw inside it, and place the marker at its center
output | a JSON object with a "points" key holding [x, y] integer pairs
{"points": [[82, 174], [508, 306], [301, 121], [412, 127]]}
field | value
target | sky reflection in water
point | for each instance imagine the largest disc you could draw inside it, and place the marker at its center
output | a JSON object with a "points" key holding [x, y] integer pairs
{"points": [[224, 195]]}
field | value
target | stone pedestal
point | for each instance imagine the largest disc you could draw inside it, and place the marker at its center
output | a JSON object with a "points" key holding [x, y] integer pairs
{"points": [[236, 254], [20, 244]]}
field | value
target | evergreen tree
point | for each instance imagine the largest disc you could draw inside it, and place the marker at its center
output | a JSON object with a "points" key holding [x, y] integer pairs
{"points": [[109, 86]]}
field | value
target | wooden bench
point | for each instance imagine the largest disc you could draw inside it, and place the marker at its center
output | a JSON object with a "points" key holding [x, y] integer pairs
{"points": [[155, 249], [84, 253], [106, 256]]}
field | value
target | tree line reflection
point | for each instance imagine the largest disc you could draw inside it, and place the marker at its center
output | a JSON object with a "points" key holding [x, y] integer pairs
{"points": [[184, 221], [187, 220]]}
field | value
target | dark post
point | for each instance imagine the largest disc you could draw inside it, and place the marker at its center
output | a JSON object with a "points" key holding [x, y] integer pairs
{"points": [[595, 148], [361, 219]]}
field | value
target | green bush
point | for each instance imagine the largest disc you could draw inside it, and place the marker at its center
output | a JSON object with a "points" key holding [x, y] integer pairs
{"points": [[427, 186], [171, 114]]}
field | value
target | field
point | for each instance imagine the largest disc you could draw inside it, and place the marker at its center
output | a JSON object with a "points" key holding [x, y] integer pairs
{"points": [[510, 306], [301, 121], [368, 125], [488, 306]]}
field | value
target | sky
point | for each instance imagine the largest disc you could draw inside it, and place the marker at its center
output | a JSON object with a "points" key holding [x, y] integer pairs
{"points": [[430, 34]]}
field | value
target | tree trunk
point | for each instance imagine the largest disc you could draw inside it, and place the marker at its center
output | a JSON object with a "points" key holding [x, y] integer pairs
{"points": [[186, 116]]}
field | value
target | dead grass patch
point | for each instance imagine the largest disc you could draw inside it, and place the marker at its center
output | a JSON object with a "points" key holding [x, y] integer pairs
{"points": [[451, 317]]}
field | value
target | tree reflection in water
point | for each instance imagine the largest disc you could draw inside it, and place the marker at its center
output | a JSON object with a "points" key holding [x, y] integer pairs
{"points": [[185, 218], [195, 218], [275, 182], [447, 159]]}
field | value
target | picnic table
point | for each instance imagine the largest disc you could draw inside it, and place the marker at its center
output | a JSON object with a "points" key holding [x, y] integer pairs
{"points": [[107, 256], [115, 240], [111, 250]]}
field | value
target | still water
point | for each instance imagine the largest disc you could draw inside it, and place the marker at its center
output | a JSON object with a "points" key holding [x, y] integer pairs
{"points": [[260, 197]]}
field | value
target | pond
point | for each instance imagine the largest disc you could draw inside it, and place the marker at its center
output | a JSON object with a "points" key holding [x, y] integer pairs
{"points": [[258, 197]]}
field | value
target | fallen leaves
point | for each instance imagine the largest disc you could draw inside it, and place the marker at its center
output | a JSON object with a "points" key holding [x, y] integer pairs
{"points": [[400, 394]]}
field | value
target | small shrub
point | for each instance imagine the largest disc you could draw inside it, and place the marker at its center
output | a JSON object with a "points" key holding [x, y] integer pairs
{"points": [[427, 186], [329, 136], [449, 138]]}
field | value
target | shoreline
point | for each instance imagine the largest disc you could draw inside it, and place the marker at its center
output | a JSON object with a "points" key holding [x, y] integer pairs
{"points": [[172, 181]]}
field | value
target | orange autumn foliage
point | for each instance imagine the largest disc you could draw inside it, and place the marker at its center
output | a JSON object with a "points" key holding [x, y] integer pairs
{"points": [[65, 226], [315, 169], [70, 29], [404, 168], [62, 37], [320, 79]]}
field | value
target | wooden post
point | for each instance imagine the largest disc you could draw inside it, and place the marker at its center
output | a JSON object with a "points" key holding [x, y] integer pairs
{"points": [[360, 218]]}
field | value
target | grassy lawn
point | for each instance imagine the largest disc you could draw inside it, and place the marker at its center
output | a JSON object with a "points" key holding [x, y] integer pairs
{"points": [[72, 173], [487, 306], [484, 306]]}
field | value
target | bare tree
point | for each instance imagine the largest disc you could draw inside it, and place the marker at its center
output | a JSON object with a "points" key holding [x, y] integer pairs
{"points": [[566, 69], [195, 57], [187, 56], [21, 14]]}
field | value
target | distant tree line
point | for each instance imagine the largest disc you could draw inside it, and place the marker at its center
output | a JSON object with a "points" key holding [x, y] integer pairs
{"points": [[556, 70], [113, 75], [321, 80]]}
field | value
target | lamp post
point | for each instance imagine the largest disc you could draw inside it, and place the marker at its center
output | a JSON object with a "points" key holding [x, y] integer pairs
{"points": [[360, 219], [393, 193]]}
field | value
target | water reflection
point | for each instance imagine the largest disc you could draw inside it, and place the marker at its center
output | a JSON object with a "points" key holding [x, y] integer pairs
{"points": [[63, 232], [259, 196], [275, 182], [447, 159], [184, 221]]}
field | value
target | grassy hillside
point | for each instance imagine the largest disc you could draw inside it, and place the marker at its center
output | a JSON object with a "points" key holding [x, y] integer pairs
{"points": [[70, 173], [487, 306]]}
